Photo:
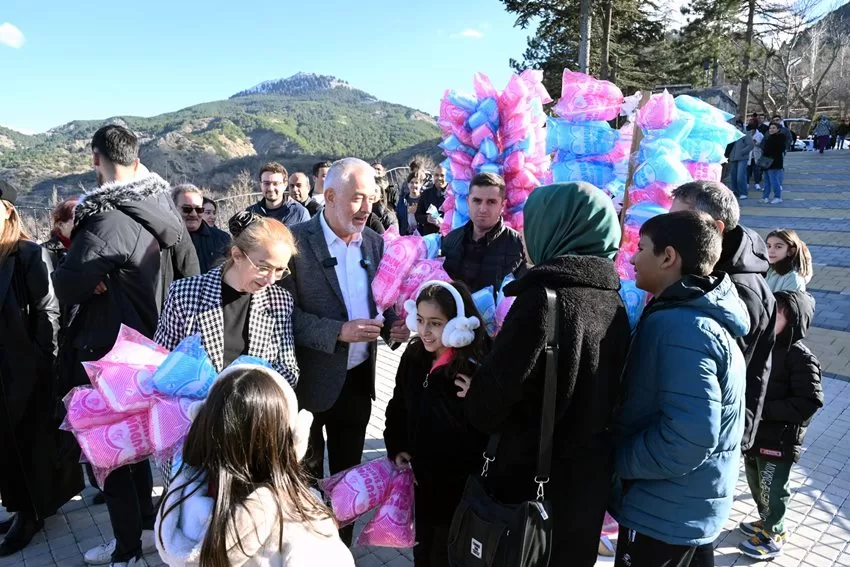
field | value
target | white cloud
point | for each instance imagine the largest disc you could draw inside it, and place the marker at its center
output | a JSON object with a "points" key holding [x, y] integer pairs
{"points": [[11, 36], [469, 33]]}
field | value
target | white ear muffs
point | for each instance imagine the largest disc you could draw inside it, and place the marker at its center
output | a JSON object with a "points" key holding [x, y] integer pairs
{"points": [[460, 331]]}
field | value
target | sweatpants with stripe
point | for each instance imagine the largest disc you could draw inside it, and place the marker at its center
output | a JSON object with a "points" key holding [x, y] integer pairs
{"points": [[769, 486]]}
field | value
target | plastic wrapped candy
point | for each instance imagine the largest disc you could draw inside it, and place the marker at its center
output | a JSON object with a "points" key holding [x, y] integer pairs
{"points": [[661, 169], [622, 263], [610, 527], [486, 305], [453, 144], [582, 138], [700, 150], [452, 113], [678, 129], [503, 306], [170, 420], [642, 212], [597, 174], [399, 257], [462, 206], [423, 271], [461, 172], [393, 524], [446, 225], [462, 100], [126, 388], [355, 491], [586, 98], [432, 243], [654, 148], [659, 193], [187, 372], [132, 347], [534, 79], [704, 171], [460, 188], [697, 107], [114, 445], [634, 300], [391, 234], [721, 133], [86, 408], [514, 94], [484, 87], [487, 112], [481, 133], [658, 112]]}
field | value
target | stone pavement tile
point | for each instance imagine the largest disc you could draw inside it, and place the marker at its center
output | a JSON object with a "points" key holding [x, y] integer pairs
{"points": [[801, 200], [811, 237], [772, 222], [830, 278], [801, 193], [830, 255], [789, 212], [832, 310]]}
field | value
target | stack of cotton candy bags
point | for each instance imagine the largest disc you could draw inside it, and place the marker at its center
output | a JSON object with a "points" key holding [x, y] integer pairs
{"points": [[140, 403], [707, 141], [496, 132], [375, 484], [493, 305], [586, 147]]}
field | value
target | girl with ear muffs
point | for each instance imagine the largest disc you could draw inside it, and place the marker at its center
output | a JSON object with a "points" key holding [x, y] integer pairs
{"points": [[426, 425]]}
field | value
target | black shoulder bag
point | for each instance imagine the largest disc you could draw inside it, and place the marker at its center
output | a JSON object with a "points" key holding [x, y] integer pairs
{"points": [[487, 533]]}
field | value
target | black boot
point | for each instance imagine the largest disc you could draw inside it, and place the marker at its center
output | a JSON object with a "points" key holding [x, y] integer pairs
{"points": [[6, 524], [20, 534]]}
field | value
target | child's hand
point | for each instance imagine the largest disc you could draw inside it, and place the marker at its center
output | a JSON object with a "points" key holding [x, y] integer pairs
{"points": [[463, 381], [403, 459]]}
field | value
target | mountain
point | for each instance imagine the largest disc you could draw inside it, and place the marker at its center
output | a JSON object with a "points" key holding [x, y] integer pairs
{"points": [[298, 121]]}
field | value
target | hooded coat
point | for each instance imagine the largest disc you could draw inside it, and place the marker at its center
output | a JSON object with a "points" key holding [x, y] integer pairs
{"points": [[794, 392], [744, 259], [129, 236], [681, 415]]}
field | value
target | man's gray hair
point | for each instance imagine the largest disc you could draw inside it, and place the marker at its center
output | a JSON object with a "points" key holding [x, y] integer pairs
{"points": [[184, 188], [713, 198], [341, 170]]}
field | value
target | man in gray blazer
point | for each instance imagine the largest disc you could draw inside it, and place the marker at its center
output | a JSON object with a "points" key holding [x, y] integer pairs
{"points": [[336, 321]]}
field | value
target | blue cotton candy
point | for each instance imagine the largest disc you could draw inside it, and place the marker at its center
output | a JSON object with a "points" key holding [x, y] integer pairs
{"points": [[461, 205], [580, 138], [489, 149], [662, 168], [186, 372], [460, 188], [641, 212], [485, 302], [700, 108], [701, 150], [432, 244], [467, 102], [597, 174], [634, 300]]}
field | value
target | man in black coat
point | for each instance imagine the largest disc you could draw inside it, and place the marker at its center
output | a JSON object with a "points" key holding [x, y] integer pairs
{"points": [[483, 251], [299, 190], [744, 258], [433, 196], [127, 232], [210, 243]]}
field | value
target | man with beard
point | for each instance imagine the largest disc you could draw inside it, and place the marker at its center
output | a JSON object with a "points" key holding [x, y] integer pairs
{"points": [[433, 196], [127, 234], [210, 243], [299, 189], [336, 321], [276, 202]]}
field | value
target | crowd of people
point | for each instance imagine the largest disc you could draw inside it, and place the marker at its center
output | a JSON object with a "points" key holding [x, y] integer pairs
{"points": [[715, 373]]}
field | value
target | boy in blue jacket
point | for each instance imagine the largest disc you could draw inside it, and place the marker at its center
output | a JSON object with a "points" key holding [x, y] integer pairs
{"points": [[680, 421]]}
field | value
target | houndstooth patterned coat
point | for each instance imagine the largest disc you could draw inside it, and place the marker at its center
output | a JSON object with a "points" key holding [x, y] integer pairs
{"points": [[194, 306]]}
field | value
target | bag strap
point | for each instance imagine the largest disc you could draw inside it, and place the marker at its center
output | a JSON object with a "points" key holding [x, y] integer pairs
{"points": [[547, 414]]}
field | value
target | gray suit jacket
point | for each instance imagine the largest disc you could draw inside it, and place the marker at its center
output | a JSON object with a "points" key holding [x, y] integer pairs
{"points": [[320, 313]]}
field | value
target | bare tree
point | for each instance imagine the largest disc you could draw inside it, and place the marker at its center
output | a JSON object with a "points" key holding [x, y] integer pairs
{"points": [[820, 49]]}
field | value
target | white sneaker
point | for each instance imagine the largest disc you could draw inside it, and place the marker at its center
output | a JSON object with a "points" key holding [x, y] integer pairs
{"points": [[758, 187], [102, 554], [765, 200], [776, 201], [743, 197]]}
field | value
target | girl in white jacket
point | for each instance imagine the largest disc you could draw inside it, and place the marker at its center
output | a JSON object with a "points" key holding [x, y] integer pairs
{"points": [[240, 496]]}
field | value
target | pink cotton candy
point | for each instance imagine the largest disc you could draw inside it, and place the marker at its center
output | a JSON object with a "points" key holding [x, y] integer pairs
{"points": [[446, 225], [355, 491], [461, 172], [585, 98], [658, 112], [484, 87], [658, 193], [514, 162], [169, 424], [704, 171], [624, 267], [451, 112], [463, 134], [448, 203], [393, 524], [86, 408], [125, 387], [131, 347], [534, 79], [117, 444], [399, 257], [515, 93], [514, 129], [460, 157], [423, 271], [610, 526], [483, 132], [502, 309], [391, 234]]}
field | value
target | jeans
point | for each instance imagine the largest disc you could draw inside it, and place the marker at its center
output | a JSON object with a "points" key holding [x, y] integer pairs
{"points": [[127, 491], [738, 177], [773, 180], [768, 482], [840, 142], [756, 173]]}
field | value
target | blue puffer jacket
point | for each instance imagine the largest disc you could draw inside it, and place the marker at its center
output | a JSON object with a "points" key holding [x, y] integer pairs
{"points": [[681, 419]]}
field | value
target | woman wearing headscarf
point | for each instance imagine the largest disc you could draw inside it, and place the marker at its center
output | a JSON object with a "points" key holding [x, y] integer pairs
{"points": [[571, 235]]}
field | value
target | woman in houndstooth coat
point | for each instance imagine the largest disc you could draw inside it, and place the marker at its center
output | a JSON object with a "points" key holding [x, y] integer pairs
{"points": [[237, 308]]}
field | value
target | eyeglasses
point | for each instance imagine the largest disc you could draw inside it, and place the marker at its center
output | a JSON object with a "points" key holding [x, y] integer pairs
{"points": [[265, 271], [187, 210]]}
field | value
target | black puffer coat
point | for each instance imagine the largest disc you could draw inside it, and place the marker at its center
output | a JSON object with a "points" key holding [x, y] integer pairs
{"points": [[501, 253], [744, 258], [794, 392], [33, 478]]}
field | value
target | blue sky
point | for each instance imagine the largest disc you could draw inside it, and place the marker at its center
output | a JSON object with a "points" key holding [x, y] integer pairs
{"points": [[65, 60]]}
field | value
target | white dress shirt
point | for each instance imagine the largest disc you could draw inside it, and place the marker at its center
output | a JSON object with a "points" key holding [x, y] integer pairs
{"points": [[353, 282]]}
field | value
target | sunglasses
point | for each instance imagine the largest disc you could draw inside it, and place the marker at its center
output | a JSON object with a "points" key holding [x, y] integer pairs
{"points": [[187, 210]]}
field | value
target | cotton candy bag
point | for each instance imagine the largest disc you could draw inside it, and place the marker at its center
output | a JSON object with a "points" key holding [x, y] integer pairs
{"points": [[86, 407], [399, 257], [186, 372], [114, 445], [125, 387], [355, 491], [393, 524]]}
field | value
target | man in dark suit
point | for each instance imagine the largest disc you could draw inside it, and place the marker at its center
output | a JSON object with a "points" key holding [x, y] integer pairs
{"points": [[336, 321]]}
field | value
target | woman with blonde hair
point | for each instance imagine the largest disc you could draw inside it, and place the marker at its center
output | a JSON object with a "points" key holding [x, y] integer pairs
{"points": [[790, 261], [34, 483], [236, 307]]}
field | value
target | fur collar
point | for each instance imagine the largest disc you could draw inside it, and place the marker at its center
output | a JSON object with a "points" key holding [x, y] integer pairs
{"points": [[108, 197]]}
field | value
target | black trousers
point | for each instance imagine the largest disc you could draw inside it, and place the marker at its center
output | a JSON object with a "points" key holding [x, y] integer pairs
{"points": [[127, 491], [432, 546], [345, 423], [638, 550], [703, 556]]}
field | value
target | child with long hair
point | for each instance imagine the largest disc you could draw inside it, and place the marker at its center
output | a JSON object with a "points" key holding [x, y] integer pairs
{"points": [[426, 425], [240, 497], [790, 261]]}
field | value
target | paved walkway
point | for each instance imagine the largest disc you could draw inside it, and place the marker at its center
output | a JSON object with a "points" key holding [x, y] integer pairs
{"points": [[817, 204]]}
